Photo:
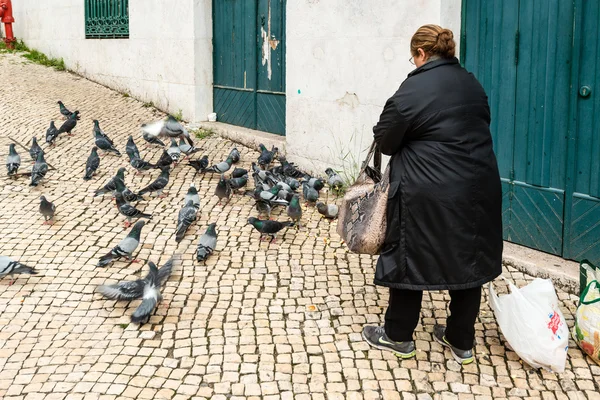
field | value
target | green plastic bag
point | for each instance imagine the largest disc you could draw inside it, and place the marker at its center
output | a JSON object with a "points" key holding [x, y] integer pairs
{"points": [[586, 331]]}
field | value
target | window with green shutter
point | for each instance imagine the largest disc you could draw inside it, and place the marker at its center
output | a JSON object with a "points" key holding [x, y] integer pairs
{"points": [[106, 19]]}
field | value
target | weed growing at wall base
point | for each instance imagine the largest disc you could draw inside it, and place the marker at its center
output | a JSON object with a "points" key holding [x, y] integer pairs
{"points": [[202, 133], [34, 55]]}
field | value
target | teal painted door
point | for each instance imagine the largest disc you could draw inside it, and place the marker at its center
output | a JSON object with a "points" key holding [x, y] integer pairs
{"points": [[249, 63], [522, 52]]}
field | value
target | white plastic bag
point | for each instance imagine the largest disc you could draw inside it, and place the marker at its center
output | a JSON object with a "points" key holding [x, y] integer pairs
{"points": [[532, 323], [586, 331]]}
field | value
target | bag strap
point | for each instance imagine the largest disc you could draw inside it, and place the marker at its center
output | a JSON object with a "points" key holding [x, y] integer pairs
{"points": [[585, 293], [375, 154]]}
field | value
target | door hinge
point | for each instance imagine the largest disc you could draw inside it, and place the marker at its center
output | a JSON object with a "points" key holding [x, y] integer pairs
{"points": [[517, 47], [511, 175]]}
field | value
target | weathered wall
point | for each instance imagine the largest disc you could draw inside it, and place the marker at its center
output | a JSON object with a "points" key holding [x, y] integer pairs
{"points": [[166, 60], [344, 59]]}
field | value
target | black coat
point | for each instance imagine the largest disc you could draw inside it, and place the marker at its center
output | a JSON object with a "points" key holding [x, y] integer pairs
{"points": [[444, 213]]}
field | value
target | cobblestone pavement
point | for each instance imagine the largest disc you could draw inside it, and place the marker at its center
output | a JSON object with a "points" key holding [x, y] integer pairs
{"points": [[258, 320]]}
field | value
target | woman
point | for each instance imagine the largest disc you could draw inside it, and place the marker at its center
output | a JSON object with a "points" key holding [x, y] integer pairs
{"points": [[444, 212]]}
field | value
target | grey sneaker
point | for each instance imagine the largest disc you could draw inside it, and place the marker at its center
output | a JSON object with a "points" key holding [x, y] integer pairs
{"points": [[463, 357], [376, 337]]}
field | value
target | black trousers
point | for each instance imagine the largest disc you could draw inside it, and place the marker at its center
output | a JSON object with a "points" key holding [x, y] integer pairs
{"points": [[404, 309]]}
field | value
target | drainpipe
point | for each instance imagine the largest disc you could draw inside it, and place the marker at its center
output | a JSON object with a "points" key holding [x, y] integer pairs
{"points": [[6, 17]]}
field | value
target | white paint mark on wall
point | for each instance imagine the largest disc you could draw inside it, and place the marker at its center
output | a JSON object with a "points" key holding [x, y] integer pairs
{"points": [[266, 48], [349, 99]]}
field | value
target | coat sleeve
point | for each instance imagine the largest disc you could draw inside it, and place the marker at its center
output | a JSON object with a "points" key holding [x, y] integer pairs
{"points": [[390, 130]]}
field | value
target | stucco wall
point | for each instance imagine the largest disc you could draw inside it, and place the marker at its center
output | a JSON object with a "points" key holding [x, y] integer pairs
{"points": [[166, 60], [345, 58]]}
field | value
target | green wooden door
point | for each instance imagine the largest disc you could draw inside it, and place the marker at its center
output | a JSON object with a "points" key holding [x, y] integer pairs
{"points": [[522, 52], [249, 63]]}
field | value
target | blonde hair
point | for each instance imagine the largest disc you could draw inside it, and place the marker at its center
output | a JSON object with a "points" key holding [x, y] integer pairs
{"points": [[434, 40]]}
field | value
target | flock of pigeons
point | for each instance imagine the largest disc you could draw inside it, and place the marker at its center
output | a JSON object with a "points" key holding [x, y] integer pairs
{"points": [[274, 186]]}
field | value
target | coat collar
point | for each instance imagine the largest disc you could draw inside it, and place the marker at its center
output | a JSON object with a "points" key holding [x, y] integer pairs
{"points": [[434, 64]]}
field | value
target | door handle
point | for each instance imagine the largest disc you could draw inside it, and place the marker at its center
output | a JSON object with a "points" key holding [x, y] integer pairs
{"points": [[585, 91]]}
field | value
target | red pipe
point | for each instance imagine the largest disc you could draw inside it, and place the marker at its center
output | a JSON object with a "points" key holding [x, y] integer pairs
{"points": [[6, 17]]}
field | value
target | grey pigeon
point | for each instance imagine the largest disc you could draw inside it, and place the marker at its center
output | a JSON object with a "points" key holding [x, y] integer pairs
{"points": [[158, 185], [13, 160], [200, 165], [187, 215], [237, 183], [235, 156], [92, 164], [239, 172], [140, 165], [266, 157], [221, 167], [51, 134], [151, 131], [223, 190], [10, 267], [103, 142], [315, 183], [328, 210], [268, 227], [127, 210], [35, 149], [127, 194], [292, 182], [39, 170], [334, 180], [47, 209], [69, 124], [289, 169], [309, 193], [294, 210], [110, 185], [174, 151], [207, 243], [192, 194], [173, 129], [165, 160], [186, 148], [63, 110], [147, 288], [131, 149], [125, 248]]}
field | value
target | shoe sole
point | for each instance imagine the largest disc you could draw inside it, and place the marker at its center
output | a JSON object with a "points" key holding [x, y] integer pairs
{"points": [[461, 361], [403, 356]]}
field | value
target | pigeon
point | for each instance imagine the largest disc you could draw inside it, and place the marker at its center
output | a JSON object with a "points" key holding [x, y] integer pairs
{"points": [[200, 165], [271, 195], [237, 183], [187, 215], [328, 210], [192, 194], [186, 148], [309, 193], [127, 194], [151, 131], [289, 169], [315, 183], [103, 141], [110, 185], [207, 243], [141, 165], [294, 210], [266, 157], [92, 164], [127, 210], [35, 149], [158, 185], [148, 289], [234, 154], [174, 151], [165, 160], [125, 248], [69, 124], [221, 167], [334, 180], [47, 209], [13, 161], [223, 190], [263, 207], [173, 129], [39, 170], [131, 149], [10, 267], [63, 110], [51, 134], [268, 227], [239, 172], [292, 183]]}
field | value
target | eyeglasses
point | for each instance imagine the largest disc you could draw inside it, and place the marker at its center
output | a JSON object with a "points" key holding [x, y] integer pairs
{"points": [[411, 60]]}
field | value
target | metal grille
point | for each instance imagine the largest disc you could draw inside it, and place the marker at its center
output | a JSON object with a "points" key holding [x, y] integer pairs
{"points": [[106, 19]]}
